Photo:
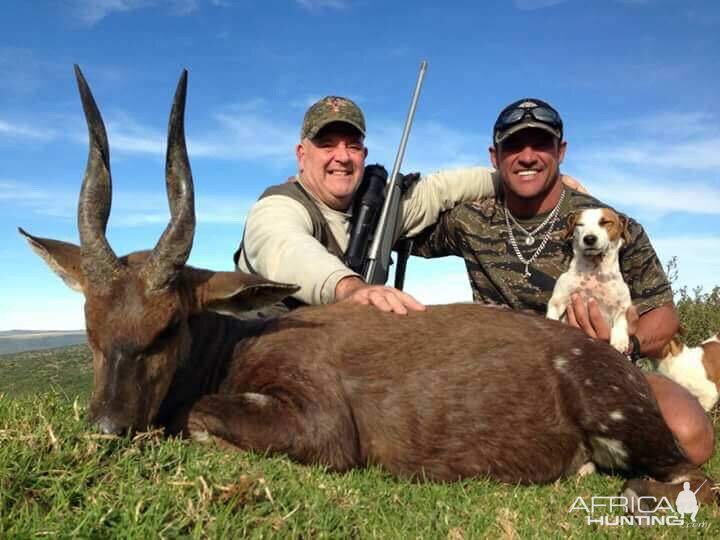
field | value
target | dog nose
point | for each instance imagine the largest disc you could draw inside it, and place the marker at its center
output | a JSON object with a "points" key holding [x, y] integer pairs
{"points": [[589, 239]]}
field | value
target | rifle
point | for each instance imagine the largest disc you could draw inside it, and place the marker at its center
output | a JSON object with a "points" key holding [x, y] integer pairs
{"points": [[377, 263]]}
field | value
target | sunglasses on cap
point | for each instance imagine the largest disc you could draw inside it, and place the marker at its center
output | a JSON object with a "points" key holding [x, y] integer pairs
{"points": [[538, 113]]}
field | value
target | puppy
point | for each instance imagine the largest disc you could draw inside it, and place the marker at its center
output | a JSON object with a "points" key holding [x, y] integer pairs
{"points": [[597, 235], [695, 368]]}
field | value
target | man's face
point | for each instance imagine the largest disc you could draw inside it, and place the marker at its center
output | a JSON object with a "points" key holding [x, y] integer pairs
{"points": [[529, 161], [332, 164]]}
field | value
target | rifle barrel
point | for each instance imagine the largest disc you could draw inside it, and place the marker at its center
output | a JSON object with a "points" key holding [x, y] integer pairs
{"points": [[378, 260]]}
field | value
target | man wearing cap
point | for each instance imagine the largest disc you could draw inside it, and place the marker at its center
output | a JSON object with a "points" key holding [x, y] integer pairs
{"points": [[514, 250], [298, 231]]}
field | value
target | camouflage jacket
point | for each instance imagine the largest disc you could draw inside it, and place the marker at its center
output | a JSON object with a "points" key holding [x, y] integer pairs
{"points": [[477, 232]]}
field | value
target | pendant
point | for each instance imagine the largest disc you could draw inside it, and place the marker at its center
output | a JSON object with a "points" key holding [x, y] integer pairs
{"points": [[529, 240], [527, 271]]}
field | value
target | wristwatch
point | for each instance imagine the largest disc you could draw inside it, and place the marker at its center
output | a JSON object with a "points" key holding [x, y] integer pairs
{"points": [[634, 353]]}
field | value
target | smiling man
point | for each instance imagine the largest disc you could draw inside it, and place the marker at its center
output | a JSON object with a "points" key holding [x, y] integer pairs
{"points": [[298, 231], [514, 248]]}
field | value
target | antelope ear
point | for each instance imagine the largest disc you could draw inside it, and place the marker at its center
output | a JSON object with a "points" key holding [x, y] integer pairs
{"points": [[235, 292], [63, 258], [570, 225]]}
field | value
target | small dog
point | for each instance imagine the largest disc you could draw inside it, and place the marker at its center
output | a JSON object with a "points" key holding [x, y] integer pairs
{"points": [[597, 234], [695, 368]]}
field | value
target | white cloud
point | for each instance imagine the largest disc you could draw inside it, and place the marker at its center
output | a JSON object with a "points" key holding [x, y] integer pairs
{"points": [[38, 200], [664, 163], [247, 136], [670, 125], [242, 132], [695, 155], [63, 311], [437, 281], [22, 131], [431, 146], [317, 5], [698, 259], [625, 189], [129, 209], [90, 12]]}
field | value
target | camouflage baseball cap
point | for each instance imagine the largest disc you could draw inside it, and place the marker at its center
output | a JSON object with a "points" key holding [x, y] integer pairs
{"points": [[527, 113], [328, 110]]}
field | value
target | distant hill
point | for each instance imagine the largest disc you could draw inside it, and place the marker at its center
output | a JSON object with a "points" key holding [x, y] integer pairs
{"points": [[15, 341], [66, 369]]}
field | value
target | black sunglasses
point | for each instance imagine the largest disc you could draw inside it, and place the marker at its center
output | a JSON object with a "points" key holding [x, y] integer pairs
{"points": [[539, 113]]}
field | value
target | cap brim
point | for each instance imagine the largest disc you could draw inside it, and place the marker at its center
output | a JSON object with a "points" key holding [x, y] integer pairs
{"points": [[313, 132], [525, 125]]}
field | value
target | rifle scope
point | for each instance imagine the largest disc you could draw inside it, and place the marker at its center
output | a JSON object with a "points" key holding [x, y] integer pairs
{"points": [[369, 200]]}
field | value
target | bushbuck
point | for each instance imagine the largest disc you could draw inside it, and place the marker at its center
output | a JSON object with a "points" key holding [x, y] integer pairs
{"points": [[453, 392]]}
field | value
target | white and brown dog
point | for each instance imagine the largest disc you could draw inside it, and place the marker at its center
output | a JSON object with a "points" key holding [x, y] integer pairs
{"points": [[695, 368], [597, 234]]}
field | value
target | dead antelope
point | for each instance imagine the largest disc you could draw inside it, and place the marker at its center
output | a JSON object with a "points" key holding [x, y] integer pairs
{"points": [[457, 391]]}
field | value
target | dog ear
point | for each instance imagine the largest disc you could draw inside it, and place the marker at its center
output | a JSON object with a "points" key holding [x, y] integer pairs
{"points": [[624, 229], [570, 225], [676, 346]]}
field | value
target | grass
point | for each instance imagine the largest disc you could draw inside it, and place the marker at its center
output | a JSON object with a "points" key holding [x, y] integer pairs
{"points": [[58, 478]]}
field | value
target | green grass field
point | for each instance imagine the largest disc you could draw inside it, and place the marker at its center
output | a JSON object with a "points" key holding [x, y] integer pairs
{"points": [[58, 478]]}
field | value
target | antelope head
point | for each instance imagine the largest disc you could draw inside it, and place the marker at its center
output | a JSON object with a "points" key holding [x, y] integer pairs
{"points": [[137, 307]]}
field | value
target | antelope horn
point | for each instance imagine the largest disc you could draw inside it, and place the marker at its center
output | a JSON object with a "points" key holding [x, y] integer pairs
{"points": [[98, 261], [173, 248]]}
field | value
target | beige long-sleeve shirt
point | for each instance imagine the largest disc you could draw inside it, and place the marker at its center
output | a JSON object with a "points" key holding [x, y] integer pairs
{"points": [[280, 246]]}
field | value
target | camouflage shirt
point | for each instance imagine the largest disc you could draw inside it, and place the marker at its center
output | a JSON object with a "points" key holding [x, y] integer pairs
{"points": [[477, 232]]}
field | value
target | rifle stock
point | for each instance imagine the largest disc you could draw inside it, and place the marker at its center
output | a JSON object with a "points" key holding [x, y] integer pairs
{"points": [[378, 260]]}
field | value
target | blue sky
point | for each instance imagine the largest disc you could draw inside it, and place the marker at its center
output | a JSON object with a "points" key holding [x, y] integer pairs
{"points": [[636, 82]]}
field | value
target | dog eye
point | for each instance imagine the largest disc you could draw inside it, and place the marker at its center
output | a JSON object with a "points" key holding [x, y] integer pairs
{"points": [[605, 221]]}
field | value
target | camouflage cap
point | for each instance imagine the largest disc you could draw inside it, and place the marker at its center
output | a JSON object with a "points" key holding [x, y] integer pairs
{"points": [[328, 110], [527, 113]]}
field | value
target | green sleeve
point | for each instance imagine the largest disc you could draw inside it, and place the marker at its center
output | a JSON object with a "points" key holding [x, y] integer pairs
{"points": [[440, 239], [643, 271]]}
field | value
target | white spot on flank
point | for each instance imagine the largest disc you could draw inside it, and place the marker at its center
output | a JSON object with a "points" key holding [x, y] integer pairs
{"points": [[617, 416], [560, 363], [587, 468], [615, 388], [608, 452], [200, 436], [681, 478], [588, 382], [603, 428], [576, 351], [261, 400]]}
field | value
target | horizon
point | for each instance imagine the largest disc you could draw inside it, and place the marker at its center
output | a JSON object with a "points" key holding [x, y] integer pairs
{"points": [[630, 78]]}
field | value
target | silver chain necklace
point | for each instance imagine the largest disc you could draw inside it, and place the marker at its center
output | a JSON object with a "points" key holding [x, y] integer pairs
{"points": [[530, 235], [551, 218]]}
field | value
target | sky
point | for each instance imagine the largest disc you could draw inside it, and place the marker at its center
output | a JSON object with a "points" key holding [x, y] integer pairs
{"points": [[636, 82]]}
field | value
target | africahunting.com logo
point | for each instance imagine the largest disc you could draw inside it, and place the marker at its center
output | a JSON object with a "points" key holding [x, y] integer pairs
{"points": [[624, 511]]}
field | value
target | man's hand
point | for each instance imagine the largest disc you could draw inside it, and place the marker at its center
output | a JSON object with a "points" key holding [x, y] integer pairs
{"points": [[573, 183], [589, 319], [388, 299]]}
